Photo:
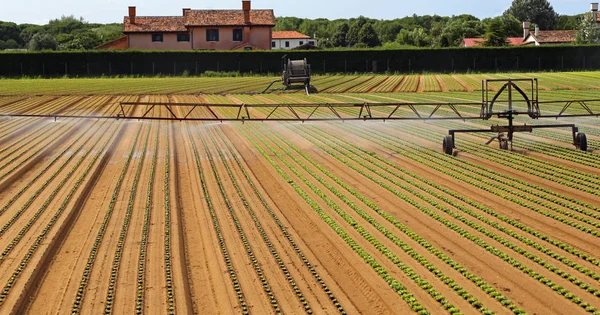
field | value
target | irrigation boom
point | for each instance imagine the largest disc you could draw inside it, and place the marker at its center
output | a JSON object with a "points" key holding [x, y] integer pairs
{"points": [[511, 107]]}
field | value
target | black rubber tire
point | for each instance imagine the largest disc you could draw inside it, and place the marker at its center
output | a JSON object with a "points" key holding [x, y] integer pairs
{"points": [[582, 141], [504, 144], [448, 145]]}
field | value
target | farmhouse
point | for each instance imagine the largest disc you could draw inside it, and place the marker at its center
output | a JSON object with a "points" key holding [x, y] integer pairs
{"points": [[538, 37], [244, 29], [290, 40]]}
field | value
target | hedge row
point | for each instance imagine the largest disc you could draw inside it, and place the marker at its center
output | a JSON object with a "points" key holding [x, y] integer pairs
{"points": [[97, 63]]}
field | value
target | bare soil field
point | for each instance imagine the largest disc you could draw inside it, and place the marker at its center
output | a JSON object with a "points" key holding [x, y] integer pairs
{"points": [[177, 217]]}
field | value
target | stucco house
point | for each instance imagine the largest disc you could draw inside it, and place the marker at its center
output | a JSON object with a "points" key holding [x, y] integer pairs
{"points": [[244, 29], [290, 40]]}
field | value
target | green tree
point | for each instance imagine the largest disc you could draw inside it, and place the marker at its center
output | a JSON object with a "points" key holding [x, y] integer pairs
{"points": [[367, 36], [43, 42], [569, 22], [8, 31], [588, 32], [512, 26], [420, 38], [387, 30], [29, 30], [495, 34], [459, 28], [539, 12], [404, 38], [339, 37], [355, 26], [65, 25], [9, 44]]}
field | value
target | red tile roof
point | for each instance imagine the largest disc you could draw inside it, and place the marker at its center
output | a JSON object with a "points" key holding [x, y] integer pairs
{"points": [[515, 41], [472, 42], [289, 35], [475, 42], [149, 24], [228, 18], [549, 37]]}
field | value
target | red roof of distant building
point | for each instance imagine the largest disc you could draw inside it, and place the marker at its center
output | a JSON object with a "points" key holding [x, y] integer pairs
{"points": [[515, 41], [228, 18], [472, 42], [289, 35], [154, 24], [550, 37], [477, 42], [150, 24]]}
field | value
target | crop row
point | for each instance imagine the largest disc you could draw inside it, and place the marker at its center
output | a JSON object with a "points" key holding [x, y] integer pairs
{"points": [[139, 302], [168, 262], [591, 274], [430, 83], [284, 230], [475, 239], [355, 150], [42, 236], [405, 247], [114, 273], [378, 268], [427, 158], [49, 135], [77, 304], [389, 85], [367, 86], [288, 276], [248, 247], [37, 214], [223, 247], [560, 174], [509, 194], [46, 184]]}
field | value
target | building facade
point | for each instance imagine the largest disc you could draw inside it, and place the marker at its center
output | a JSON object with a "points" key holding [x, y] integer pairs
{"points": [[244, 29], [290, 40]]}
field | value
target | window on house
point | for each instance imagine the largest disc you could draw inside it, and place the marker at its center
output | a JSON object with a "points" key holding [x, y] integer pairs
{"points": [[157, 38], [238, 35], [311, 42], [287, 44], [248, 48], [212, 35], [273, 44], [183, 37], [301, 43]]}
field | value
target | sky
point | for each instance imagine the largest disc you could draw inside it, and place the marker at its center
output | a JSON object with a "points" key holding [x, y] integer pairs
{"points": [[108, 11]]}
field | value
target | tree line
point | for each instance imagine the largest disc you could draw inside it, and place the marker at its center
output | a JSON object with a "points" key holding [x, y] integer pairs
{"points": [[70, 33], [435, 30], [65, 33]]}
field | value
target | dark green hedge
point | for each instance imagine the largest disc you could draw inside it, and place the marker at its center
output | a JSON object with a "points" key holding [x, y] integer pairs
{"points": [[96, 63]]}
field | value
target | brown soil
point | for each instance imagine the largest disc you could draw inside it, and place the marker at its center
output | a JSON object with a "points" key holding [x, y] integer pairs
{"points": [[296, 249]]}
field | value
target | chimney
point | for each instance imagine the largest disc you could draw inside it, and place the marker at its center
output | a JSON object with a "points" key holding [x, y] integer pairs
{"points": [[537, 30], [246, 7], [526, 26], [185, 10], [132, 15], [595, 12]]}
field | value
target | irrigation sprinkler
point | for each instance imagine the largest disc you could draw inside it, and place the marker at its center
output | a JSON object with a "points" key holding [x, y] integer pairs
{"points": [[486, 109]]}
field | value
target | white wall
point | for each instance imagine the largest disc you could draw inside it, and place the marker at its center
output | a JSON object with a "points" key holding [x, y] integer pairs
{"points": [[280, 43]]}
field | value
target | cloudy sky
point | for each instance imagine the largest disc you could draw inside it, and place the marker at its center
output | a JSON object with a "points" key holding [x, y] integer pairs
{"points": [[106, 11]]}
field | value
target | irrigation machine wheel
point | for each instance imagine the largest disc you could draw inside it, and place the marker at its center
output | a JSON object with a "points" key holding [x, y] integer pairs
{"points": [[448, 145], [582, 141], [504, 144]]}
